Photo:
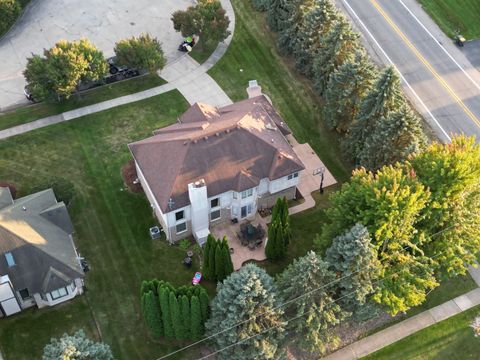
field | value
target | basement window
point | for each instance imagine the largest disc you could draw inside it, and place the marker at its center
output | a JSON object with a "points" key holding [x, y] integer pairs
{"points": [[215, 215], [180, 228]]}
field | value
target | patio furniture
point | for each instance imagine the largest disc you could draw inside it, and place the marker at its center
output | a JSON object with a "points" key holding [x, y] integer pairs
{"points": [[250, 235], [232, 250], [187, 262]]}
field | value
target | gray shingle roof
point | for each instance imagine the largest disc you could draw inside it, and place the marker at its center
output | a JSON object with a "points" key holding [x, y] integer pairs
{"points": [[231, 148], [36, 230]]}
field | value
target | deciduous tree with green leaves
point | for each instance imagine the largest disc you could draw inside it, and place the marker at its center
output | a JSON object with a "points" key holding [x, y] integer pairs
{"points": [[390, 204], [243, 295], [318, 312], [346, 89], [452, 216], [207, 19], [143, 53]]}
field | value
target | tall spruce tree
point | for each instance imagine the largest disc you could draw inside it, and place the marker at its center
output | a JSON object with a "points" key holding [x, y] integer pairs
{"points": [[353, 258], [196, 322], [384, 97], [390, 203], [452, 216], [278, 13], [152, 313], [346, 89], [317, 22], [290, 36], [274, 242], [204, 304], [212, 271], [243, 295], [261, 5], [228, 258], [321, 312], [395, 138], [185, 316], [339, 46], [164, 298], [220, 265], [175, 316], [206, 255]]}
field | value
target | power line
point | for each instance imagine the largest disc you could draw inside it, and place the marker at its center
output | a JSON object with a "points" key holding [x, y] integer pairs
{"points": [[281, 305], [287, 321]]}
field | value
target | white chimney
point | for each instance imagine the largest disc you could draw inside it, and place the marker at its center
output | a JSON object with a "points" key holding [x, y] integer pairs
{"points": [[197, 192]]}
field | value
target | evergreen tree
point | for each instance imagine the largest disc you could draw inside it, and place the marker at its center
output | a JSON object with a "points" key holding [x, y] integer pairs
{"points": [[204, 304], [164, 298], [346, 89], [185, 316], [273, 247], [339, 46], [384, 97], [290, 36], [261, 5], [353, 259], [175, 316], [243, 295], [212, 270], [452, 216], [390, 203], [206, 255], [278, 13], [317, 22], [395, 138], [227, 258], [315, 329], [219, 262], [152, 313], [76, 346], [196, 322]]}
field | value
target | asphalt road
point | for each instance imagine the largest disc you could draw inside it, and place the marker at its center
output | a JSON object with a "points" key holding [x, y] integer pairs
{"points": [[437, 76]]}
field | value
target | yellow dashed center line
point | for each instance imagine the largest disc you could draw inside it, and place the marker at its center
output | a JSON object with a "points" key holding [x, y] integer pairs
{"points": [[426, 63]]}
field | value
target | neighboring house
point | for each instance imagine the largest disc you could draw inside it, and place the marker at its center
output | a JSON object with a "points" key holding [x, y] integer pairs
{"points": [[38, 261], [216, 164]]}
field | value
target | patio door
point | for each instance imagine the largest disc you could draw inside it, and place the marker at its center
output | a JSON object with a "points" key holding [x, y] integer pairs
{"points": [[243, 212]]}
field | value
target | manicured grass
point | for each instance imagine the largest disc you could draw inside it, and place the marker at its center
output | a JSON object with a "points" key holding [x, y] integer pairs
{"points": [[448, 340], [253, 55], [111, 227], [455, 16], [30, 113], [202, 54]]}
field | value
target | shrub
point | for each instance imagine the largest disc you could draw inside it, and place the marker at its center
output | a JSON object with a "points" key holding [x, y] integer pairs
{"points": [[184, 244], [143, 53], [9, 11]]}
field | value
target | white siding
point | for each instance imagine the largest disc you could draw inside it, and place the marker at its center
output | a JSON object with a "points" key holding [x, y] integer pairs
{"points": [[282, 184]]}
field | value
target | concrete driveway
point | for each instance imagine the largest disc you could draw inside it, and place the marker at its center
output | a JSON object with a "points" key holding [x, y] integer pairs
{"points": [[102, 22]]}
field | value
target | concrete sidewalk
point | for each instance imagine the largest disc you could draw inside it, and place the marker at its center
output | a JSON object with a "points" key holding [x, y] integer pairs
{"points": [[407, 327]]}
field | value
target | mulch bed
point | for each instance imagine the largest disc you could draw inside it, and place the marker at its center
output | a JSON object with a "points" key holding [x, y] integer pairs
{"points": [[129, 173]]}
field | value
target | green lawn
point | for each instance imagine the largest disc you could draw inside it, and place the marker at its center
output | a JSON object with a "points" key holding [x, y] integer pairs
{"points": [[253, 55], [111, 227], [451, 339], [202, 54], [29, 113], [455, 16]]}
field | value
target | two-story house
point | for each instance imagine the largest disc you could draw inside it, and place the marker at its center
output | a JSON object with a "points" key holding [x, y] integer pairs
{"points": [[216, 164], [39, 264]]}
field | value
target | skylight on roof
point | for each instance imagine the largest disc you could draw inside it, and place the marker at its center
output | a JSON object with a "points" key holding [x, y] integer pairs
{"points": [[9, 258]]}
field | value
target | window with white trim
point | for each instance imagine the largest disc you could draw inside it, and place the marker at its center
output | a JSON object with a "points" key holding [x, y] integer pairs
{"points": [[215, 203], [215, 215], [180, 215], [180, 228], [247, 193], [57, 294], [291, 176]]}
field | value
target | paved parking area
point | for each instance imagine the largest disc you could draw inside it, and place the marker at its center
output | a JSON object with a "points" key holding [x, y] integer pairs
{"points": [[102, 22]]}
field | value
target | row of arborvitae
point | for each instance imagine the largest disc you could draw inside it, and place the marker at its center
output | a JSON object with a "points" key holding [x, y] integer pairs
{"points": [[174, 313], [56, 74], [366, 106], [279, 231], [217, 262]]}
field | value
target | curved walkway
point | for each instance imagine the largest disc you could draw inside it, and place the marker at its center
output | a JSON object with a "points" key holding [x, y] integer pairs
{"points": [[184, 74]]}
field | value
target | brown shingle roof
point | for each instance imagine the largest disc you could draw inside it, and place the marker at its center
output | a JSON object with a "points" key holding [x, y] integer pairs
{"points": [[232, 148]]}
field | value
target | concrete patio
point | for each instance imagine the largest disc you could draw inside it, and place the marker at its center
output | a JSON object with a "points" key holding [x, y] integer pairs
{"points": [[240, 253]]}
